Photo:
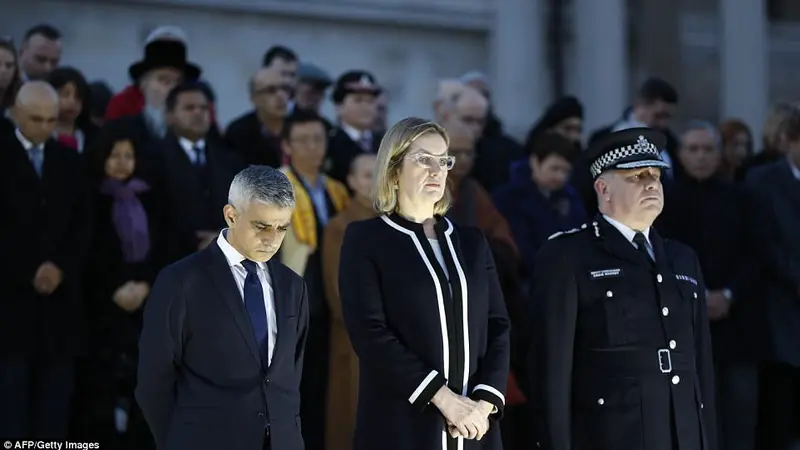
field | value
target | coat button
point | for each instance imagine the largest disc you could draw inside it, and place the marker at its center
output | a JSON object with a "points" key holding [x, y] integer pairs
{"points": [[659, 278], [673, 344], [600, 401], [694, 295], [676, 379], [701, 406], [609, 294], [665, 311], [260, 414], [267, 381]]}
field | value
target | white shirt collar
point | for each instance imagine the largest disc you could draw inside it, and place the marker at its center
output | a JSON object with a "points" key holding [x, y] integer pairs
{"points": [[189, 146], [354, 134], [795, 169], [231, 254], [28, 145], [627, 231]]}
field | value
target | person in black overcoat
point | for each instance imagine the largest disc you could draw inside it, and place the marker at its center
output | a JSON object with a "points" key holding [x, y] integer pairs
{"points": [[423, 307], [126, 252], [620, 355], [45, 228], [715, 217]]}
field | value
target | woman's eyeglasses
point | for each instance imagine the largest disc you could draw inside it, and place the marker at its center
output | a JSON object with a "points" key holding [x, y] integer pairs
{"points": [[431, 162]]}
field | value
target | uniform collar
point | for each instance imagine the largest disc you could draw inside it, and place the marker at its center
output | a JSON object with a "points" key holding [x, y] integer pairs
{"points": [[627, 231]]}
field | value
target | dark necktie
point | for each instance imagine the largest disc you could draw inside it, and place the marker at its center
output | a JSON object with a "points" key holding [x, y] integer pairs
{"points": [[366, 142], [199, 156], [641, 246], [254, 304]]}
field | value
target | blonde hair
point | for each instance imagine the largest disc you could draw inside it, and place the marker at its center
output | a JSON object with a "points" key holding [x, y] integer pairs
{"points": [[394, 148]]}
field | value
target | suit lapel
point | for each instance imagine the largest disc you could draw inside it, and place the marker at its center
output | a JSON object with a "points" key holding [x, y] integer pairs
{"points": [[281, 291], [220, 274]]}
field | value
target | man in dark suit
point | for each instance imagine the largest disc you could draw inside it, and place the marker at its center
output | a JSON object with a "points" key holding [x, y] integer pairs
{"points": [[777, 186], [256, 135], [193, 169], [221, 351], [621, 351], [355, 96], [45, 208]]}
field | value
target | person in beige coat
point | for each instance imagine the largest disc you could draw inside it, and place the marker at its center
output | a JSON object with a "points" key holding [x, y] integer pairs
{"points": [[342, 399]]}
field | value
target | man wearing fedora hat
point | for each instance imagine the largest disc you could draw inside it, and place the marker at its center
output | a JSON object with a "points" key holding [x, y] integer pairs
{"points": [[163, 67], [620, 346]]}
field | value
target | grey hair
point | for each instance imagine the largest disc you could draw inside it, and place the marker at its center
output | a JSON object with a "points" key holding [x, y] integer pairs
{"points": [[261, 184], [704, 125]]}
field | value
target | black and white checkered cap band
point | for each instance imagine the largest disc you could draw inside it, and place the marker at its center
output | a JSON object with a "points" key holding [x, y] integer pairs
{"points": [[642, 147]]}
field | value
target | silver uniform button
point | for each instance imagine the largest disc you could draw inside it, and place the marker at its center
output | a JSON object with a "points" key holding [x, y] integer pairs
{"points": [[609, 294], [659, 278], [665, 311], [600, 401], [676, 379], [701, 406], [673, 344], [695, 295]]}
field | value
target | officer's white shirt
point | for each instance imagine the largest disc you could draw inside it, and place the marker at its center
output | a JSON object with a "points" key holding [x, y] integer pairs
{"points": [[629, 233]]}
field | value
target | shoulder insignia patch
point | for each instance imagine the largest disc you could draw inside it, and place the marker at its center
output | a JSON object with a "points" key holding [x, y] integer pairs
{"points": [[564, 233]]}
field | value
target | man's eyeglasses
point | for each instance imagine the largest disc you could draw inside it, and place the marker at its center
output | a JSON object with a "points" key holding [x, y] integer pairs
{"points": [[274, 89], [431, 162]]}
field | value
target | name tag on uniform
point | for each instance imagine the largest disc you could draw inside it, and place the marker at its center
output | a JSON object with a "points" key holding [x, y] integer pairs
{"points": [[605, 273], [686, 278]]}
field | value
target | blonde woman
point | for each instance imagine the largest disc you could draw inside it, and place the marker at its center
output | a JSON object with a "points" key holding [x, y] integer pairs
{"points": [[422, 305]]}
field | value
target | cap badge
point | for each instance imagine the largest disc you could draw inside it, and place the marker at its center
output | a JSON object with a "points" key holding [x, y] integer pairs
{"points": [[642, 145]]}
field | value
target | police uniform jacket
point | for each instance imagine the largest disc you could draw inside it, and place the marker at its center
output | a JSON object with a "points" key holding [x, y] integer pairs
{"points": [[621, 355], [416, 327]]}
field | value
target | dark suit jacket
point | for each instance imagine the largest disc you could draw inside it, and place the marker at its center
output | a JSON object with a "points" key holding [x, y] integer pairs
{"points": [[342, 150], [201, 380], [416, 329], [43, 219], [194, 197], [779, 192], [246, 137]]}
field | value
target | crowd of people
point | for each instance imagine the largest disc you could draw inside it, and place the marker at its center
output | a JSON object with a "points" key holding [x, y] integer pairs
{"points": [[103, 190]]}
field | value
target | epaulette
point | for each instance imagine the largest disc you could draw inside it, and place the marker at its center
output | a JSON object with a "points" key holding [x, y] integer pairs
{"points": [[564, 233]]}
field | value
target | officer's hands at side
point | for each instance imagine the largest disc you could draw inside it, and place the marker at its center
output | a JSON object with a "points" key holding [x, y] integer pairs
{"points": [[465, 417], [718, 305]]}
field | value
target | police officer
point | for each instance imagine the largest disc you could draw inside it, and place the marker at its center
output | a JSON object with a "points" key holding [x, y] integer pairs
{"points": [[620, 354]]}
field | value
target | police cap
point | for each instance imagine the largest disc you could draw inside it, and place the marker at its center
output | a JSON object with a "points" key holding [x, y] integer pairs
{"points": [[633, 148], [355, 81]]}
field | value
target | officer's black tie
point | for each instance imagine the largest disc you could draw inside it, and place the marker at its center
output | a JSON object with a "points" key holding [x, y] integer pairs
{"points": [[641, 246]]}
